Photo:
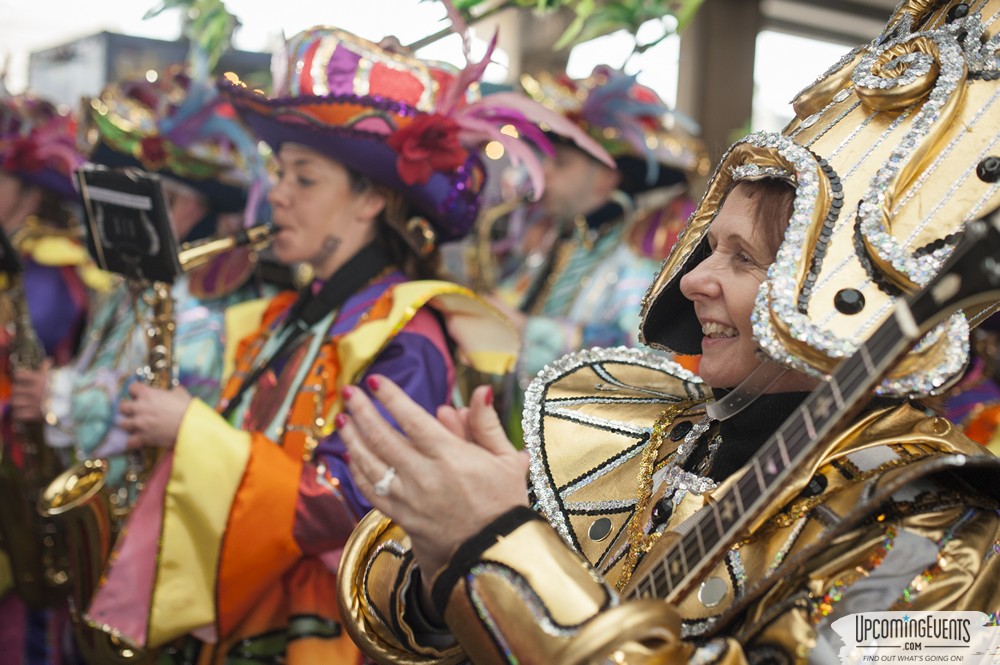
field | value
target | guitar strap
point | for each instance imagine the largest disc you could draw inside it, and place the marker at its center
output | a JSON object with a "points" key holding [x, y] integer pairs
{"points": [[762, 378]]}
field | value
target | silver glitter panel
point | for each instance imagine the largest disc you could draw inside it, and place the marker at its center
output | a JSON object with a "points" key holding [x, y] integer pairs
{"points": [[600, 423], [588, 507], [608, 399], [599, 472], [787, 546], [691, 629], [737, 572], [756, 172]]}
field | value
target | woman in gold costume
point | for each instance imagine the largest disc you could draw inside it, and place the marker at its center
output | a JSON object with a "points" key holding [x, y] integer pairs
{"points": [[791, 497]]}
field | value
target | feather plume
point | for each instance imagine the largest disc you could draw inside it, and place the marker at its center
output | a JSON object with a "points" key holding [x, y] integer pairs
{"points": [[557, 123]]}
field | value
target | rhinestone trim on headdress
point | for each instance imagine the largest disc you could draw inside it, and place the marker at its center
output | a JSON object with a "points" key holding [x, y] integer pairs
{"points": [[757, 172]]}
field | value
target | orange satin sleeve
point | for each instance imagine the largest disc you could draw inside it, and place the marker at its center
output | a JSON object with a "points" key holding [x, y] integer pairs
{"points": [[258, 542]]}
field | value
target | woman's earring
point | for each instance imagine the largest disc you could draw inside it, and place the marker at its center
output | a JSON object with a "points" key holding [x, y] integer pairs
{"points": [[422, 235]]}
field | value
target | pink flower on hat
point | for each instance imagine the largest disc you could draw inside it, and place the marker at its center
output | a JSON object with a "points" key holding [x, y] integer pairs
{"points": [[428, 144]]}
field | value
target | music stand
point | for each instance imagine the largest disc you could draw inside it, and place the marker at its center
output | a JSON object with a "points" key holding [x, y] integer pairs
{"points": [[130, 230]]}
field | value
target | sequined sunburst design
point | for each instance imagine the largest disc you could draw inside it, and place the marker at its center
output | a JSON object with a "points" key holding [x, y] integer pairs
{"points": [[621, 405]]}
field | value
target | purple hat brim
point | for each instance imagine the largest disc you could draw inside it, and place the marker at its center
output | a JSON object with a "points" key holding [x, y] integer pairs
{"points": [[54, 181], [443, 199], [51, 179]]}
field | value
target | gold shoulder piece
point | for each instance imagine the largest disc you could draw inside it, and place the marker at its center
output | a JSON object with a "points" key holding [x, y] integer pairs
{"points": [[604, 402]]}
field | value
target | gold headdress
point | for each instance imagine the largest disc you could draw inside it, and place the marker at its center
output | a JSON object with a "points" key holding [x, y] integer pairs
{"points": [[892, 151]]}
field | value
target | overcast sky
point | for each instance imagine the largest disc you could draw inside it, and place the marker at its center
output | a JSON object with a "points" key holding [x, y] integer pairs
{"points": [[32, 25]]}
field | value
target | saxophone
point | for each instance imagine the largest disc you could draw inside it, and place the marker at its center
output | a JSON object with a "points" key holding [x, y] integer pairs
{"points": [[90, 515], [29, 539]]}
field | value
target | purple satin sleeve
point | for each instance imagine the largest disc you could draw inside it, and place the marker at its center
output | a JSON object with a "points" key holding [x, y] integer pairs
{"points": [[56, 301], [417, 360]]}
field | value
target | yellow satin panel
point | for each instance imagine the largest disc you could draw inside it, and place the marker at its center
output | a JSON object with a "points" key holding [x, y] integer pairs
{"points": [[198, 499], [487, 341], [481, 331], [241, 319], [55, 251], [62, 251]]}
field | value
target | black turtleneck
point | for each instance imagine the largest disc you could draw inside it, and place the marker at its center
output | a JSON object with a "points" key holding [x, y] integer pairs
{"points": [[744, 433]]}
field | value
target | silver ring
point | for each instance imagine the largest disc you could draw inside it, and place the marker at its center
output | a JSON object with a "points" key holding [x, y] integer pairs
{"points": [[382, 486]]}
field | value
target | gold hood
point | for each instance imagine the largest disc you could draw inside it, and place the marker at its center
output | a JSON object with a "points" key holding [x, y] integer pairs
{"points": [[892, 151]]}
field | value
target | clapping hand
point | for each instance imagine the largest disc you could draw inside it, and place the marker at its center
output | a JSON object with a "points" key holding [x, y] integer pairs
{"points": [[442, 479]]}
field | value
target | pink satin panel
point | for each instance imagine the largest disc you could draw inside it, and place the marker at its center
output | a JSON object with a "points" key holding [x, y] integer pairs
{"points": [[126, 597]]}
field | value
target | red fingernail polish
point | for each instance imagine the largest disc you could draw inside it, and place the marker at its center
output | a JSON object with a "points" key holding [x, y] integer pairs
{"points": [[346, 392], [340, 420], [489, 396], [372, 382]]}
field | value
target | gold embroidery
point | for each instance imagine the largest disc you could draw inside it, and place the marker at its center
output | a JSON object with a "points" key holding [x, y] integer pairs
{"points": [[638, 541]]}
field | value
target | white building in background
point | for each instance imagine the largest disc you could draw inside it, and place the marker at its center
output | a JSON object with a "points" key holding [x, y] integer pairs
{"points": [[82, 67]]}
